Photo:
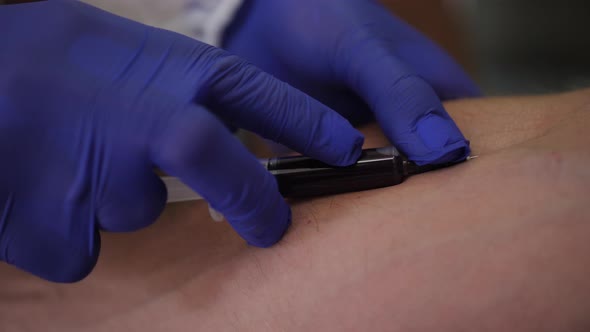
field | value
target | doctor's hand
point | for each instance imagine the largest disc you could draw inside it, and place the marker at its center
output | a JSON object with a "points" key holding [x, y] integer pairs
{"points": [[358, 59], [91, 103]]}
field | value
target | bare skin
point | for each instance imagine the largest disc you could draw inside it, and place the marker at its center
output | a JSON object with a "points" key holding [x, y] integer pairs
{"points": [[500, 243]]}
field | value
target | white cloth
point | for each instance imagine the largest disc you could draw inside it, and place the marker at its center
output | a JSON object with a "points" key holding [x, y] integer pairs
{"points": [[204, 20]]}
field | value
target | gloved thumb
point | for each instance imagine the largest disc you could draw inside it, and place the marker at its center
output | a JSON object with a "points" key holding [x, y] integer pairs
{"points": [[405, 105]]}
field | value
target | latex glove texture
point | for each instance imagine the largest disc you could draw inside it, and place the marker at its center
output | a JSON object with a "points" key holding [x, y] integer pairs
{"points": [[360, 60], [91, 104]]}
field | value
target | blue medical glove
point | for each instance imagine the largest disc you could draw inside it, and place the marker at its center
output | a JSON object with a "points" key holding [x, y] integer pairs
{"points": [[91, 103], [358, 59]]}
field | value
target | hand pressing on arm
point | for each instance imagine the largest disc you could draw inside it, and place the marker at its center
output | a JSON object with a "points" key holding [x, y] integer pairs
{"points": [[357, 58], [91, 103]]}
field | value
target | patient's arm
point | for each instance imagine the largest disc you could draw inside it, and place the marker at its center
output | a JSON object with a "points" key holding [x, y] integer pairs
{"points": [[500, 243]]}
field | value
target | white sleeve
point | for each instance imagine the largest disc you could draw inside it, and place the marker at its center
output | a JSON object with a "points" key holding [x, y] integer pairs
{"points": [[204, 20]]}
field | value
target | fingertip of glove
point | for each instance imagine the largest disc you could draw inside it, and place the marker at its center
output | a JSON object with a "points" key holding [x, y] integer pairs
{"points": [[78, 265], [352, 148], [336, 142], [274, 230], [441, 138], [60, 263], [435, 130], [454, 152]]}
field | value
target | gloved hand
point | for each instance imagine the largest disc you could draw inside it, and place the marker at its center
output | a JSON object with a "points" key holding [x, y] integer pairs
{"points": [[91, 103], [357, 58]]}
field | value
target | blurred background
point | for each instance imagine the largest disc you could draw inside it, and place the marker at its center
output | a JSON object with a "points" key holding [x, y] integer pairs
{"points": [[508, 46]]}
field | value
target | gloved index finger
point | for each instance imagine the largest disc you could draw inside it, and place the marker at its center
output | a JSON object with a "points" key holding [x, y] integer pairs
{"points": [[251, 99]]}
